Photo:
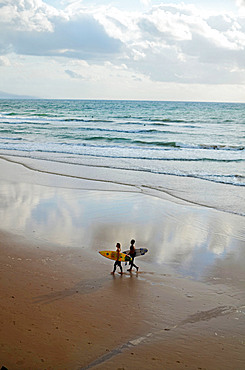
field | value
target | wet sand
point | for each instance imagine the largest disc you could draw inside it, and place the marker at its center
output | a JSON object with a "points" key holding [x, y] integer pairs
{"points": [[62, 309]]}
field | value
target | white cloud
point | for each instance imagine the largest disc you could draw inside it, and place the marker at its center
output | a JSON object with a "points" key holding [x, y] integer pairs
{"points": [[167, 43], [241, 6], [146, 2], [240, 3], [4, 61], [36, 29], [27, 15], [181, 44], [73, 74]]}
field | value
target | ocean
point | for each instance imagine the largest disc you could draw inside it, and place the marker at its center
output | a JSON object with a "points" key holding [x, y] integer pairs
{"points": [[204, 141]]}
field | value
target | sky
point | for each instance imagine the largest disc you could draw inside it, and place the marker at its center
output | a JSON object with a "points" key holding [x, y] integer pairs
{"points": [[123, 49]]}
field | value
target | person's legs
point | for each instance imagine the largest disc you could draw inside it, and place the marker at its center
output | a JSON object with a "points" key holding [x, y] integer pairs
{"points": [[135, 267], [120, 265], [131, 264], [115, 266]]}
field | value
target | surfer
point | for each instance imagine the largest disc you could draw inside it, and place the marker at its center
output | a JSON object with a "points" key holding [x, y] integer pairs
{"points": [[132, 254], [117, 262]]}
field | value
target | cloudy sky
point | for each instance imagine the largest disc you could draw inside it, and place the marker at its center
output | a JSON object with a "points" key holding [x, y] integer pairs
{"points": [[123, 49]]}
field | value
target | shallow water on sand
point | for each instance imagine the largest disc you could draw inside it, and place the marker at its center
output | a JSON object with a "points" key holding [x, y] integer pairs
{"points": [[191, 241]]}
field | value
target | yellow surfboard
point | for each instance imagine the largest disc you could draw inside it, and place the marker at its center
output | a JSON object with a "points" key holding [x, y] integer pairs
{"points": [[112, 255]]}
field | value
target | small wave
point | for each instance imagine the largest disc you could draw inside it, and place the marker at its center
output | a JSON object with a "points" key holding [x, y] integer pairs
{"points": [[232, 180], [157, 143], [170, 124], [7, 131], [114, 130], [7, 122], [138, 118], [122, 116], [86, 120], [115, 150], [169, 120], [221, 147], [128, 140], [231, 176], [36, 123], [43, 115], [74, 134], [10, 138], [27, 114], [129, 123]]}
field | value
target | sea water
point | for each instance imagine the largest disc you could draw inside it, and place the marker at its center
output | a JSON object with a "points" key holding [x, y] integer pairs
{"points": [[205, 141]]}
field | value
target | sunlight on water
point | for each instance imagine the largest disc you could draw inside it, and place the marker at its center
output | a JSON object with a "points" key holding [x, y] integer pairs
{"points": [[184, 238]]}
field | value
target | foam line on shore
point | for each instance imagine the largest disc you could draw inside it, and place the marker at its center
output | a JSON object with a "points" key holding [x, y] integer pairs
{"points": [[65, 175]]}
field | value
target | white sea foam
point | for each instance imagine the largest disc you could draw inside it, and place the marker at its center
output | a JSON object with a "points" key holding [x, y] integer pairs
{"points": [[202, 141]]}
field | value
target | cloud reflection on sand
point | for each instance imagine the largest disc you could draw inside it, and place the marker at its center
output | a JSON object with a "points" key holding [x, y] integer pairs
{"points": [[188, 238]]}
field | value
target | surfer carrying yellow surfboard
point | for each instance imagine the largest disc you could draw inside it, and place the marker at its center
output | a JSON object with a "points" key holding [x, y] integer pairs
{"points": [[117, 262]]}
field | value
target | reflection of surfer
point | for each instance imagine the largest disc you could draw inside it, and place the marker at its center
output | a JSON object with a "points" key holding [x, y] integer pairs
{"points": [[132, 254], [117, 262]]}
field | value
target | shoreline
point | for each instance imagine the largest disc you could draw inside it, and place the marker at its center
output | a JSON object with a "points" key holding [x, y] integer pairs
{"points": [[60, 306], [201, 192]]}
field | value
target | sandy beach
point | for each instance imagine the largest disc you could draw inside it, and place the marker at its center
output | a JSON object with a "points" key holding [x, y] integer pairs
{"points": [[62, 309]]}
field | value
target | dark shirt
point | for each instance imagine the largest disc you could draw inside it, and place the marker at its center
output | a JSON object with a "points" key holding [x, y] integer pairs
{"points": [[132, 251]]}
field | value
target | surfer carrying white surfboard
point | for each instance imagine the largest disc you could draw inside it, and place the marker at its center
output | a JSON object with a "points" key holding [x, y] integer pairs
{"points": [[117, 262], [132, 254]]}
